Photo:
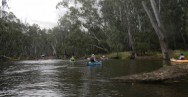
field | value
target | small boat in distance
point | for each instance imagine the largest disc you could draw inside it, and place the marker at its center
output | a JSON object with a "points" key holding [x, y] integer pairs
{"points": [[96, 63], [72, 60]]}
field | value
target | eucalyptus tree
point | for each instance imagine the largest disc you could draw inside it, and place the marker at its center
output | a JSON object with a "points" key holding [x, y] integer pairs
{"points": [[52, 39], [125, 16], [157, 24], [21, 40], [84, 17], [11, 35], [3, 7], [112, 24], [169, 22], [45, 47], [34, 33], [124, 24], [4, 3], [175, 20], [56, 38], [93, 22]]}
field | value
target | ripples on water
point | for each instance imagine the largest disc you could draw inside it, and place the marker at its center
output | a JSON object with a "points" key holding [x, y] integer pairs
{"points": [[59, 78]]}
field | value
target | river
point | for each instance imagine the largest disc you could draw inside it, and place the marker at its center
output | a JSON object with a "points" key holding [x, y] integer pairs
{"points": [[60, 78]]}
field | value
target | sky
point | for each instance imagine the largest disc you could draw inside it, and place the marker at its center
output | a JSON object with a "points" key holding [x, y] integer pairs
{"points": [[41, 12]]}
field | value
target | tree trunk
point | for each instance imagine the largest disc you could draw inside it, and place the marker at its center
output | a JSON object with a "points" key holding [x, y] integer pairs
{"points": [[184, 41], [164, 49], [131, 42], [158, 27], [54, 50], [65, 54], [99, 47]]}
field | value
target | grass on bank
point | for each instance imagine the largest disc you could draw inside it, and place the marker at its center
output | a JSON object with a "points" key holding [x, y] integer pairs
{"points": [[148, 55]]}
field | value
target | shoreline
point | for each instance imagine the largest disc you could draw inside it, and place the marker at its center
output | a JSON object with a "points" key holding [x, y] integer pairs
{"points": [[167, 74]]}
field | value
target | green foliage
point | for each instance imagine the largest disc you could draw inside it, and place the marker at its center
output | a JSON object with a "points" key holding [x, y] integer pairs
{"points": [[96, 26], [146, 42], [20, 40]]}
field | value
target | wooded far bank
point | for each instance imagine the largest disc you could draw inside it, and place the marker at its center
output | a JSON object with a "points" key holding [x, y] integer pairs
{"points": [[100, 27]]}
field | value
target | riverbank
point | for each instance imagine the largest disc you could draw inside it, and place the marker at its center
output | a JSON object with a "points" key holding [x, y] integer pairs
{"points": [[127, 55], [113, 55], [148, 55], [167, 74], [175, 73], [5, 58]]}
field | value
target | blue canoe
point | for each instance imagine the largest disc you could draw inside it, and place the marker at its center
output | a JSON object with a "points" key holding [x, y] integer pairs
{"points": [[97, 63]]}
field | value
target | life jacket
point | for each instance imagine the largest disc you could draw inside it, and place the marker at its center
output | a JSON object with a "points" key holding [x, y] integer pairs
{"points": [[92, 59], [182, 58]]}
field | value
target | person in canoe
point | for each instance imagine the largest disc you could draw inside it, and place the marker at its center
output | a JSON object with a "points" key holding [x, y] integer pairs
{"points": [[181, 57], [93, 58], [72, 59], [104, 58]]}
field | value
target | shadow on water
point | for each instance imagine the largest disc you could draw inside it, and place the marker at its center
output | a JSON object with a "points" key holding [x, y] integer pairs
{"points": [[60, 78]]}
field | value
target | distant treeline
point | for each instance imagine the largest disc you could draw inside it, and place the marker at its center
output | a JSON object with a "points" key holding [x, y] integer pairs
{"points": [[100, 26]]}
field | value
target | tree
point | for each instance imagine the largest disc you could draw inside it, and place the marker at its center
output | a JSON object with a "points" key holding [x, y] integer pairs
{"points": [[158, 26]]}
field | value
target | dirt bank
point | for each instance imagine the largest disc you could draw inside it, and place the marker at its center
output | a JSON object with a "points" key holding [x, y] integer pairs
{"points": [[165, 74]]}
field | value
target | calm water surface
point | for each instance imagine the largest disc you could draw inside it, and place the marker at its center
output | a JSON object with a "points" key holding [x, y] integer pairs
{"points": [[59, 78]]}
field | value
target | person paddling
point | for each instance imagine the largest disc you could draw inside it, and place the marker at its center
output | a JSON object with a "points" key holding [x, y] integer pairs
{"points": [[72, 59], [181, 57], [93, 58]]}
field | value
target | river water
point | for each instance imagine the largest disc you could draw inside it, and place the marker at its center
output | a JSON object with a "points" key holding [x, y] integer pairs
{"points": [[59, 78]]}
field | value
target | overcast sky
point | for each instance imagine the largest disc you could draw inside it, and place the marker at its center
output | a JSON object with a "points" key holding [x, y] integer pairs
{"points": [[41, 12]]}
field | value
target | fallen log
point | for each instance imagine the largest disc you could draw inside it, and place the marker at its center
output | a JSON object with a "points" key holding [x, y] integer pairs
{"points": [[164, 74], [4, 58]]}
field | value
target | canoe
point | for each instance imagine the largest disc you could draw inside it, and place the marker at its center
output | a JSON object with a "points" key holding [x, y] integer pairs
{"points": [[72, 61], [92, 64], [175, 61]]}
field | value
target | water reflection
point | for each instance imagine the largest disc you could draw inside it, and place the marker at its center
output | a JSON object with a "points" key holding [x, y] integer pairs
{"points": [[93, 72], [59, 78]]}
